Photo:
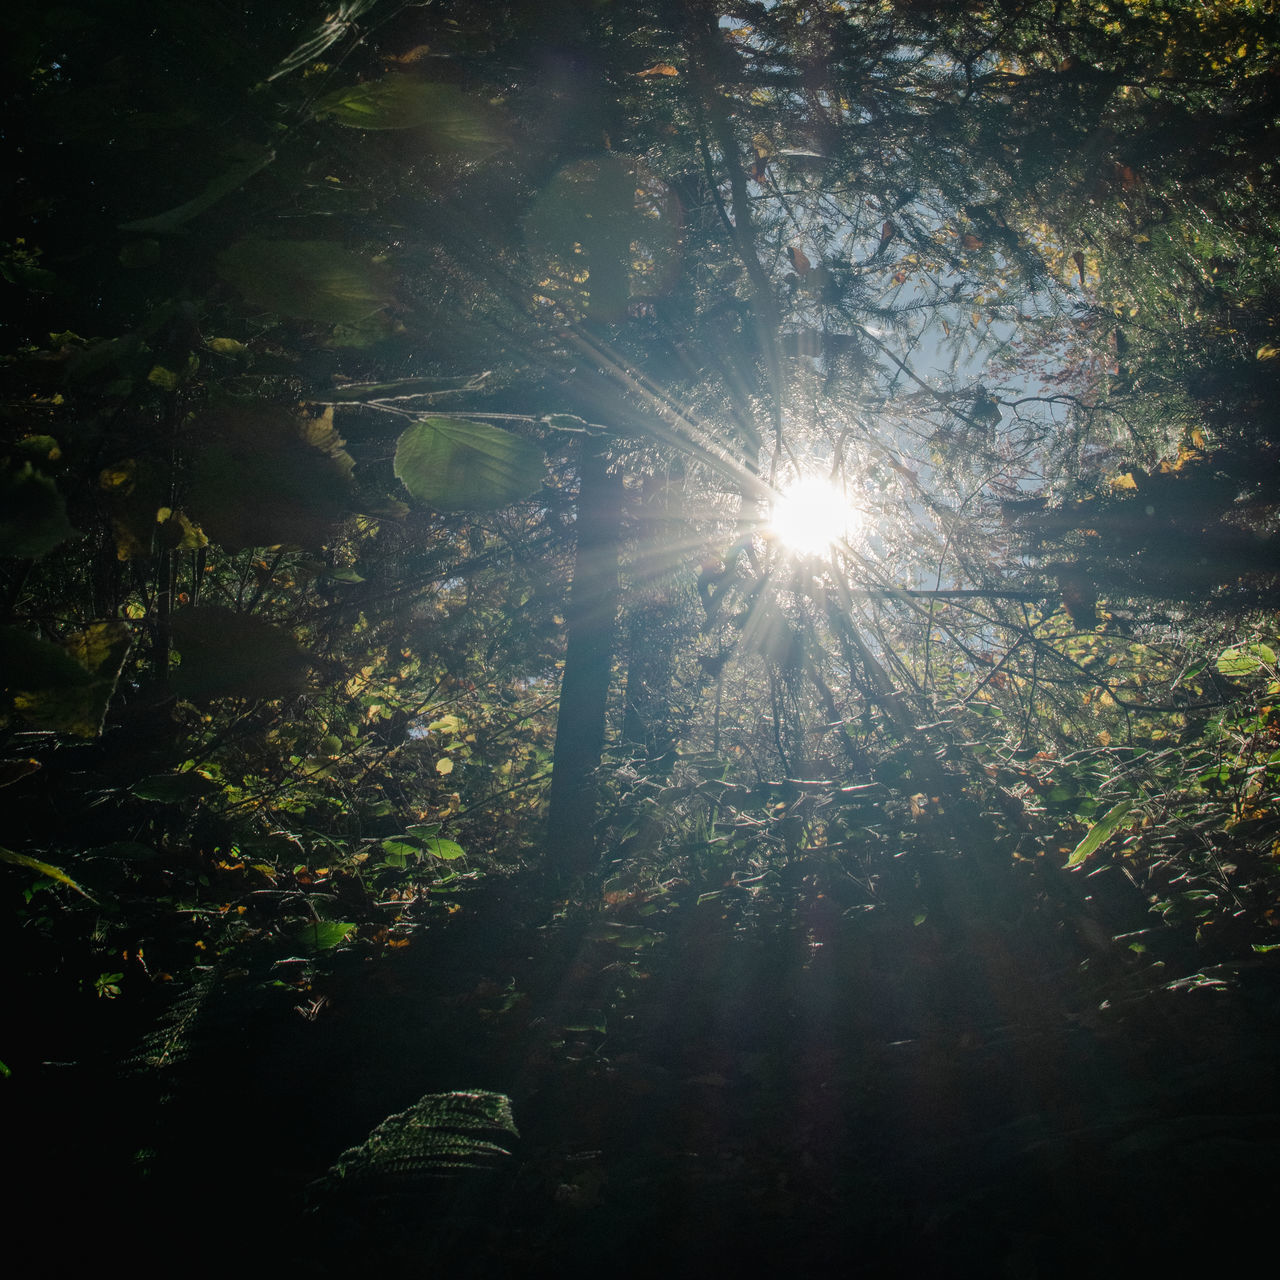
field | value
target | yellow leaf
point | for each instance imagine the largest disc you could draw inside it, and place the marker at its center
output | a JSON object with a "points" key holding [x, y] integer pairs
{"points": [[1268, 351], [444, 765], [1125, 481], [44, 869], [120, 478]]}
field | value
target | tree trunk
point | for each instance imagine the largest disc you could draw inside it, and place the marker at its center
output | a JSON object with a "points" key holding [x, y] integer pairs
{"points": [[588, 667]]}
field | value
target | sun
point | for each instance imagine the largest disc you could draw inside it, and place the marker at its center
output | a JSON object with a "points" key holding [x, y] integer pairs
{"points": [[812, 514]]}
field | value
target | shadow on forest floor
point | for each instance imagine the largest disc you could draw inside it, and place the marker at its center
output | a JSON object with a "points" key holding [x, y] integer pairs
{"points": [[820, 1094]]}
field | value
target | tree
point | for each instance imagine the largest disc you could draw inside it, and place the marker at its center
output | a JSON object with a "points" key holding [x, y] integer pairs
{"points": [[305, 448]]}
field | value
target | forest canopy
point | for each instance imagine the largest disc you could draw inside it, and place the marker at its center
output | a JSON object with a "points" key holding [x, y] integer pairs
{"points": [[404, 407]]}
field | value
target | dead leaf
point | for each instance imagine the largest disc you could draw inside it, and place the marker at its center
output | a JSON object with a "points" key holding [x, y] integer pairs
{"points": [[801, 264], [658, 69]]}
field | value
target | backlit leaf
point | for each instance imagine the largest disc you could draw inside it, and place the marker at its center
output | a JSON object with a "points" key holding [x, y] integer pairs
{"points": [[42, 868], [1242, 660], [405, 102], [447, 849], [454, 465], [323, 935], [306, 279], [1100, 832]]}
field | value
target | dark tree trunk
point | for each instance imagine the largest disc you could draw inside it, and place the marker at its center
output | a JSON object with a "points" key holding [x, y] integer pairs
{"points": [[588, 667]]}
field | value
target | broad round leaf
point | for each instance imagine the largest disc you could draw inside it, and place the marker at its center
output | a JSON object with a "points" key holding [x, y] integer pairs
{"points": [[1242, 660], [262, 476], [234, 655], [454, 465], [33, 514], [306, 279]]}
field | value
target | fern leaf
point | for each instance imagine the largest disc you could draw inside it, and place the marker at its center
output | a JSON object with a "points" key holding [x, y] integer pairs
{"points": [[442, 1133]]}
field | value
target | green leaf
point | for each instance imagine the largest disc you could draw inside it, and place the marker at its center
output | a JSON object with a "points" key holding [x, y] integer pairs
{"points": [[44, 869], [441, 1133], [401, 851], [1100, 832], [251, 161], [441, 848], [307, 279], [455, 465], [323, 935], [403, 102], [1242, 660]]}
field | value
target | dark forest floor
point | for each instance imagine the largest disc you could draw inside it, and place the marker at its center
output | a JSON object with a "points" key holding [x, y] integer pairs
{"points": [[810, 1092]]}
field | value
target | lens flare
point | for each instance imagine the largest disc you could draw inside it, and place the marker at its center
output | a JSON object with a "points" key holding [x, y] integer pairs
{"points": [[811, 514]]}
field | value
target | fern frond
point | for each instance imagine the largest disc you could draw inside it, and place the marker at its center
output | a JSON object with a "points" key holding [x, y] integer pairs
{"points": [[442, 1133], [170, 1042]]}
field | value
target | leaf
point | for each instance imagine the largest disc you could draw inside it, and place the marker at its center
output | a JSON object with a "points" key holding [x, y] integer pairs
{"points": [[455, 465], [405, 102], [799, 261], [251, 160], [446, 849], [400, 851], [658, 70], [441, 1133], [323, 935], [64, 689], [444, 766], [44, 869], [225, 654], [1242, 660], [306, 279], [226, 346], [33, 514], [263, 476], [1100, 832]]}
